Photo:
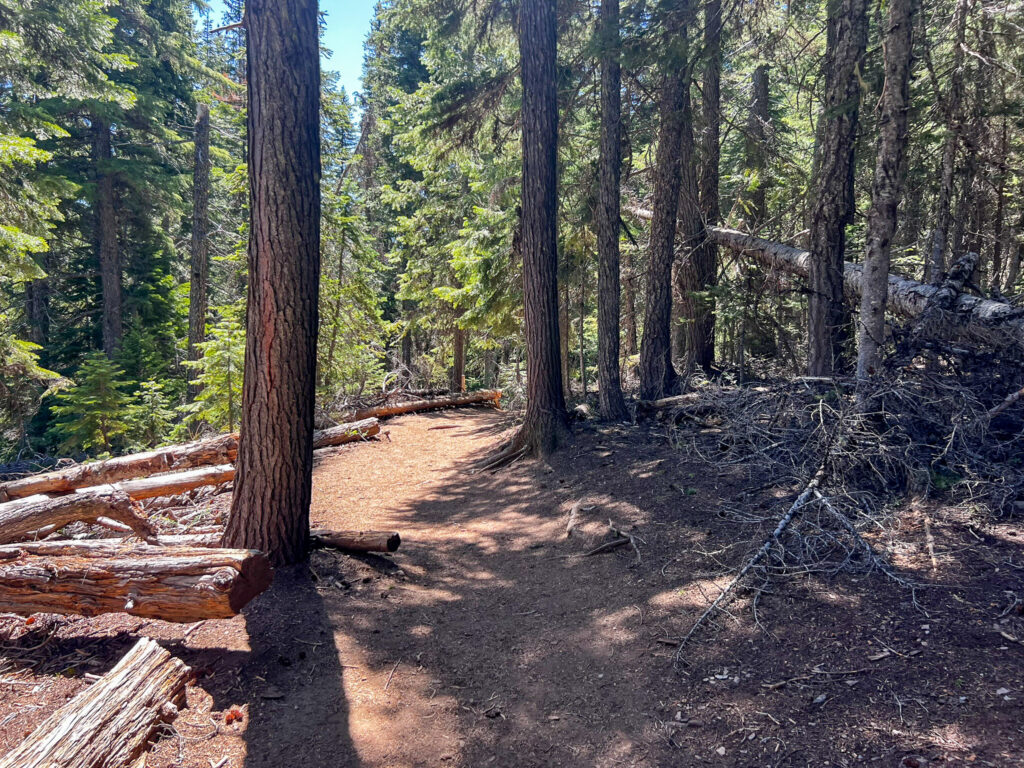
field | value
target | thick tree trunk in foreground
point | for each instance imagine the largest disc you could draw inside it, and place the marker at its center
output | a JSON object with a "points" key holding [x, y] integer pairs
{"points": [[19, 519], [936, 263], [981, 321], [109, 724], [546, 425], [106, 237], [832, 203], [200, 257], [886, 188], [609, 393], [88, 578], [657, 375], [270, 509]]}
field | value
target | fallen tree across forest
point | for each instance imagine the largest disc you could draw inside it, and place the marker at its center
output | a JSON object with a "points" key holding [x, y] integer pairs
{"points": [[480, 397], [109, 724], [983, 321], [91, 577], [319, 538], [220, 450]]}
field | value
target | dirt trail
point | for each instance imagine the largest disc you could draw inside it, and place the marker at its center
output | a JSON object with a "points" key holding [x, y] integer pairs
{"points": [[490, 640]]}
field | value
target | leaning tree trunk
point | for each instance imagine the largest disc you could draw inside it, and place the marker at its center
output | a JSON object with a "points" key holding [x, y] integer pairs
{"points": [[106, 229], [886, 188], [200, 257], [546, 424], [936, 263], [657, 376], [832, 206], [270, 509], [609, 392]]}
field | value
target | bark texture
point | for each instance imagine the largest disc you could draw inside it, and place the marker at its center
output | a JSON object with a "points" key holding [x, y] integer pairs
{"points": [[88, 578], [106, 237], [270, 509], [886, 188], [658, 377], [109, 724], [546, 424], [755, 209], [609, 393], [832, 205], [20, 519], [200, 256]]}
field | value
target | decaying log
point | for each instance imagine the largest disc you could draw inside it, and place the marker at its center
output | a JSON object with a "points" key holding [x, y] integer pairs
{"points": [[972, 318], [218, 450], [87, 578], [346, 433], [319, 538], [932, 320], [483, 396], [109, 724], [20, 519], [355, 541]]}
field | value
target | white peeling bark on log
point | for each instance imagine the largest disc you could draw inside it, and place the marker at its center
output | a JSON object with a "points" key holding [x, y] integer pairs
{"points": [[972, 318], [217, 450], [88, 578], [38, 514], [109, 724]]}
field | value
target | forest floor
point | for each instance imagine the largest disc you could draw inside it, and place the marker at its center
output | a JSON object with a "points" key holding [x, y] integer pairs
{"points": [[490, 639]]}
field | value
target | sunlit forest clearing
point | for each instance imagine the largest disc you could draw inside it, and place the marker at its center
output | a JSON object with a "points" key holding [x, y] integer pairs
{"points": [[611, 383]]}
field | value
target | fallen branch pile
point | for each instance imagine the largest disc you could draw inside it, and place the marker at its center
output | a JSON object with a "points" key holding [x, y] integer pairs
{"points": [[110, 723]]}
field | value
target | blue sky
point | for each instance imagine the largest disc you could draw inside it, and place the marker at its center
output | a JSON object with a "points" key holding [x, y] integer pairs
{"points": [[348, 23]]}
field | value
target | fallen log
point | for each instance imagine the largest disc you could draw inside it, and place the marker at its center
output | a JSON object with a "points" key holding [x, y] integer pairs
{"points": [[942, 301], [972, 318], [109, 724], [481, 397], [20, 519], [319, 538], [92, 577], [217, 450], [346, 433], [221, 450], [167, 485]]}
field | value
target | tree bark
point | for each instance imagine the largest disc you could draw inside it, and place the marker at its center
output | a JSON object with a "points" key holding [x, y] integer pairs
{"points": [[546, 424], [832, 204], [270, 509], [110, 723], [658, 377], [611, 403], [755, 209], [106, 237], [936, 264], [886, 189], [459, 359], [89, 578], [200, 256], [629, 344], [480, 397], [22, 518]]}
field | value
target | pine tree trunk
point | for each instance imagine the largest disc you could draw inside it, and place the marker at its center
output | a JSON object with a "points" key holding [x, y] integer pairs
{"points": [[106, 237], [37, 309], [629, 343], [755, 211], [936, 264], [609, 387], [563, 339], [657, 376], [546, 424], [832, 204], [459, 359], [886, 188], [699, 317], [200, 257], [270, 509]]}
